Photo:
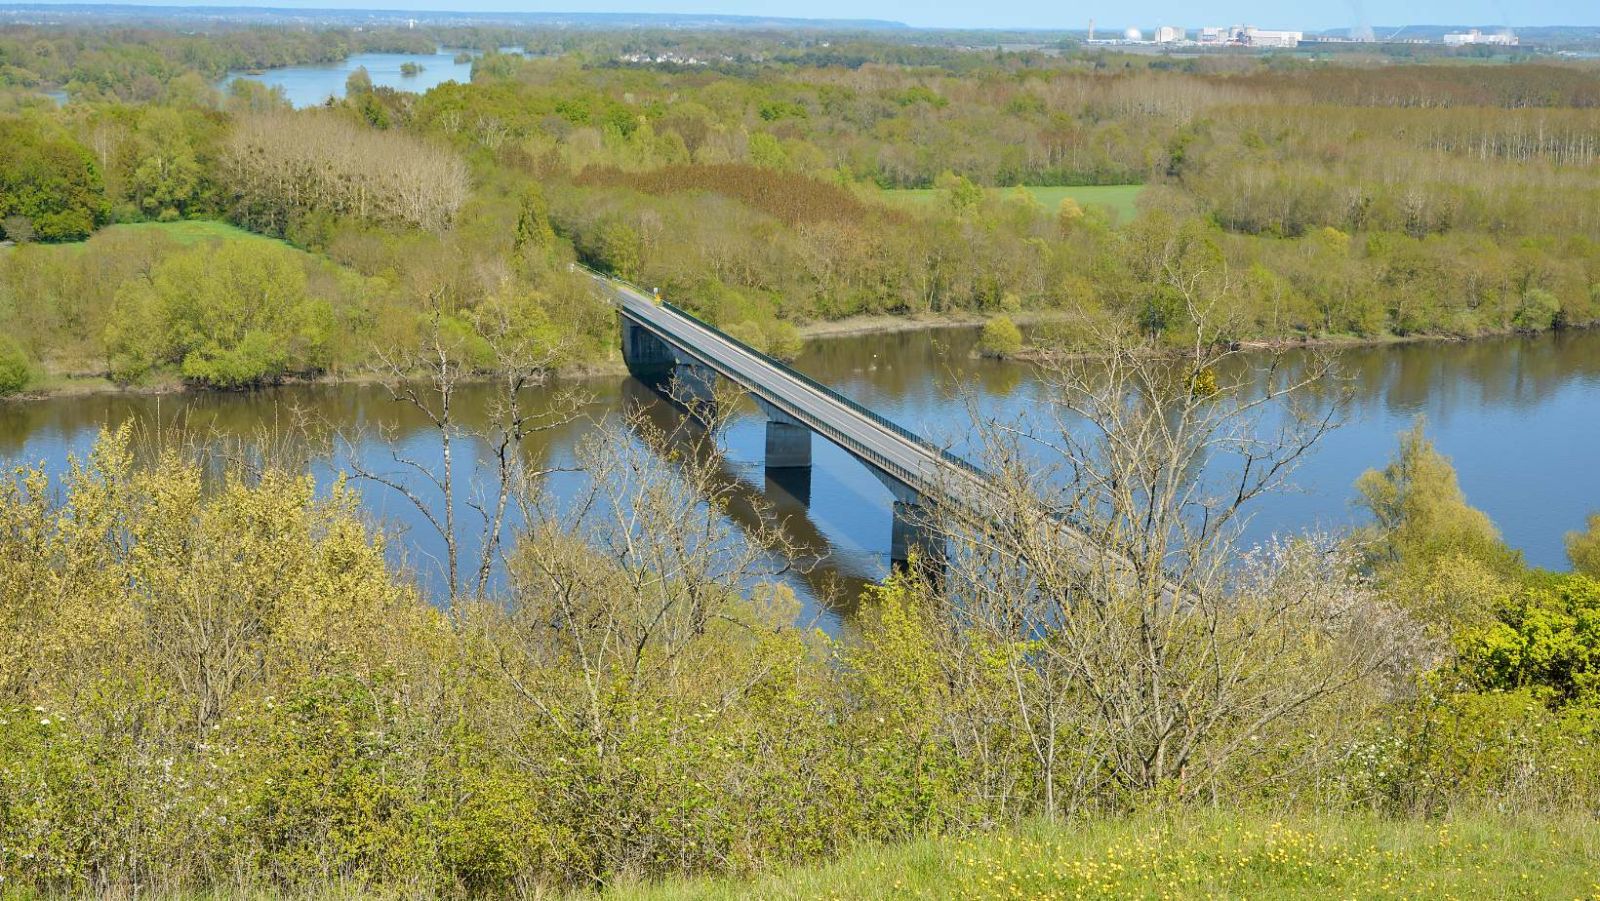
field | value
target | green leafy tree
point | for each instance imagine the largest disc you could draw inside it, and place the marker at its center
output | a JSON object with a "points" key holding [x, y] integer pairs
{"points": [[1538, 311], [1441, 553], [49, 180], [533, 220], [167, 178], [961, 196], [228, 316], [1583, 548], [619, 248], [1419, 506], [1068, 214], [1001, 338], [15, 371], [767, 152], [1545, 638]]}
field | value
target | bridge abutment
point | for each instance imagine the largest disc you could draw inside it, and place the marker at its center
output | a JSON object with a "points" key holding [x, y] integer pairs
{"points": [[649, 358]]}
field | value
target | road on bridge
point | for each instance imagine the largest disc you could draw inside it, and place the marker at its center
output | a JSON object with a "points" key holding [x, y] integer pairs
{"points": [[931, 473], [919, 464]]}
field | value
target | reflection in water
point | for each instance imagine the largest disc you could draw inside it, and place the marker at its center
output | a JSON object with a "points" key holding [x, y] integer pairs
{"points": [[758, 496], [1519, 416]]}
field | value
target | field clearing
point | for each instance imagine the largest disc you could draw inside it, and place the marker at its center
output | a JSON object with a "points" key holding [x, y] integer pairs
{"points": [[1120, 198], [1205, 855], [186, 232]]}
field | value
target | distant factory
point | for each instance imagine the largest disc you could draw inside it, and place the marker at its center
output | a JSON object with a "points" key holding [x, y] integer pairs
{"points": [[1251, 37], [1463, 39]]}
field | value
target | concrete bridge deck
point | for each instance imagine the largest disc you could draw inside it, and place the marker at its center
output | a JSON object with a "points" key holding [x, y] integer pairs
{"points": [[659, 338]]}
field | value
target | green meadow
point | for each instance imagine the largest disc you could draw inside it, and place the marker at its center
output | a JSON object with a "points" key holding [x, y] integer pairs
{"points": [[1120, 198]]}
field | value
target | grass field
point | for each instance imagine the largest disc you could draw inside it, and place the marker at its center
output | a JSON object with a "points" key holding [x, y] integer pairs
{"points": [[1201, 855], [186, 232], [1120, 198]]}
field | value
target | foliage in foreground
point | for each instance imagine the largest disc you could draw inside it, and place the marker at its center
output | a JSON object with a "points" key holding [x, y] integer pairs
{"points": [[1194, 853]]}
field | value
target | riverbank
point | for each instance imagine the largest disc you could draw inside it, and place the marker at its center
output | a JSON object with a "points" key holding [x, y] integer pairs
{"points": [[88, 384], [70, 385], [884, 324]]}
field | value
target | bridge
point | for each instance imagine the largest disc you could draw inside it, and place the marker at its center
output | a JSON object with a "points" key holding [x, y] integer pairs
{"points": [[661, 342]]}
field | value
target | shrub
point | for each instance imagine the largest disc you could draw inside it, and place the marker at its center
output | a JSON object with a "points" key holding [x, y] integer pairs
{"points": [[1001, 338], [1538, 311], [15, 373], [784, 340], [1583, 548], [1545, 638], [228, 316]]}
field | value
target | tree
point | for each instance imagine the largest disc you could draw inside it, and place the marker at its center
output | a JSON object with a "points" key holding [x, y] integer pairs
{"points": [[1537, 312], [234, 315], [49, 180], [1001, 338], [1583, 548], [1068, 213], [281, 168], [515, 342], [961, 196], [167, 177], [1545, 637], [533, 221], [1101, 574], [1420, 510], [359, 82], [1440, 556], [15, 371]]}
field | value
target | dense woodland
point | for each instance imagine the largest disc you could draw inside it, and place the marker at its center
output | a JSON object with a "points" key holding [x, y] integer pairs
{"points": [[1319, 200], [213, 680]]}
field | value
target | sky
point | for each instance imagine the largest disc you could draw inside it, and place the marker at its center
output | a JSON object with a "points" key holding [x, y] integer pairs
{"points": [[1052, 14]]}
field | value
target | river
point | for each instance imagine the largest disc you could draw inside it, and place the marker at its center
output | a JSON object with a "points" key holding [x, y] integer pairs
{"points": [[312, 85], [1520, 417]]}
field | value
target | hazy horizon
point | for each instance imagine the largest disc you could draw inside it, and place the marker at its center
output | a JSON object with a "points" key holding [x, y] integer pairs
{"points": [[1025, 14]]}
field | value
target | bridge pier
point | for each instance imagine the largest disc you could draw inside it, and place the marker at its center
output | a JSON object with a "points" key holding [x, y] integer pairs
{"points": [[788, 439], [912, 531], [913, 535]]}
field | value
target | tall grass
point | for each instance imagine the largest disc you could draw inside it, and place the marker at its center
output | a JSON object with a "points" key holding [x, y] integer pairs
{"points": [[1205, 855]]}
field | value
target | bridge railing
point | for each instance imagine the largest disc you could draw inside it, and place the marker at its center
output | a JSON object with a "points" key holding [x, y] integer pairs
{"points": [[904, 433]]}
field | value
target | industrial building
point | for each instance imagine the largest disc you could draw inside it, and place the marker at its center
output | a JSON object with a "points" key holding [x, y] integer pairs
{"points": [[1250, 36], [1463, 39]]}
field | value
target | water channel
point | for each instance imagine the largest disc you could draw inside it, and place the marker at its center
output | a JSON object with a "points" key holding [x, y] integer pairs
{"points": [[313, 84], [1520, 417]]}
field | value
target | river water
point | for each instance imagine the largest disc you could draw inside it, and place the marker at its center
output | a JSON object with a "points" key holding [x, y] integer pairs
{"points": [[1520, 417], [312, 85]]}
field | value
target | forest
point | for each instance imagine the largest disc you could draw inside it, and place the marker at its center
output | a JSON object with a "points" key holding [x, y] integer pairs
{"points": [[215, 681], [1330, 201]]}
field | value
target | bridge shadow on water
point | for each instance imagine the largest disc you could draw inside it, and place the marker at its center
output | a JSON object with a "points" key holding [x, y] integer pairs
{"points": [[780, 496]]}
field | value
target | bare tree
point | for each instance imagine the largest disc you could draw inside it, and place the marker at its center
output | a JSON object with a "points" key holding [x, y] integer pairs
{"points": [[1105, 566], [428, 377]]}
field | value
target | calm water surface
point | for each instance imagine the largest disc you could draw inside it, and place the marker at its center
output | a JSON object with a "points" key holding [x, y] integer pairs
{"points": [[312, 85], [1520, 417]]}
